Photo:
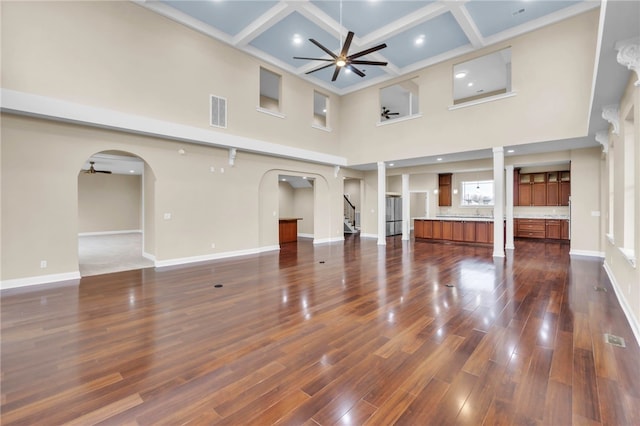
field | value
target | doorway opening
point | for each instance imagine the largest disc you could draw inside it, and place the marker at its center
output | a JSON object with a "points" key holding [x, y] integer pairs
{"points": [[296, 205], [114, 214]]}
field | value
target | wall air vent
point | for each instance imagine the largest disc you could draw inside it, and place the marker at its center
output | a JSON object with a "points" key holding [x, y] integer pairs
{"points": [[218, 111]]}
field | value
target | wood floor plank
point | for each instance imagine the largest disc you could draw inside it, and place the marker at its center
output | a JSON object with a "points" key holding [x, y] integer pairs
{"points": [[371, 336]]}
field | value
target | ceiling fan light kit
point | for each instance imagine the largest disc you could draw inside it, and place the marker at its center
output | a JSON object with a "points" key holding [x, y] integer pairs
{"points": [[344, 60]]}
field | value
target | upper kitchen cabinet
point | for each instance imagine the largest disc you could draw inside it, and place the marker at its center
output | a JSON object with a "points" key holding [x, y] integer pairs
{"points": [[542, 189], [444, 189]]}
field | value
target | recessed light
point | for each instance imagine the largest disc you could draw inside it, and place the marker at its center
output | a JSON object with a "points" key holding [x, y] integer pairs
{"points": [[419, 40], [511, 151], [461, 74], [283, 180], [324, 110], [304, 177], [439, 159], [391, 164], [297, 39], [347, 70], [132, 171], [469, 84]]}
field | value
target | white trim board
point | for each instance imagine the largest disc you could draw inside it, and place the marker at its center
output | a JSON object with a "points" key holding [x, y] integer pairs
{"points": [[40, 279], [95, 234], [215, 256], [317, 241], [60, 110], [633, 322], [587, 253]]}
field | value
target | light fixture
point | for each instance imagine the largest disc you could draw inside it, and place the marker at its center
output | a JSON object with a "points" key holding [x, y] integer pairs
{"points": [[324, 110], [347, 70], [419, 40], [297, 39], [340, 62], [304, 177], [439, 159], [455, 191], [511, 151], [469, 84], [132, 171], [391, 164], [461, 74]]}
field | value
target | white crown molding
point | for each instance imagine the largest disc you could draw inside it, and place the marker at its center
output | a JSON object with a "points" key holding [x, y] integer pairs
{"points": [[611, 113], [602, 137], [629, 55]]}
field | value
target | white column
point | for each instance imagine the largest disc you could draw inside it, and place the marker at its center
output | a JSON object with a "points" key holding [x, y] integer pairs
{"points": [[406, 217], [498, 197], [382, 193], [509, 208]]}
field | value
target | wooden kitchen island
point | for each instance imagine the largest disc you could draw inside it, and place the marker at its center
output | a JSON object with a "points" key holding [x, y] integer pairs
{"points": [[288, 229]]}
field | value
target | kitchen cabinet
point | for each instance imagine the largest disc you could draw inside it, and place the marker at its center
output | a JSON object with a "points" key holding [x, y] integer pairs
{"points": [[530, 228], [564, 230], [444, 189], [542, 189], [418, 228], [288, 230], [447, 230], [553, 229], [455, 230]]}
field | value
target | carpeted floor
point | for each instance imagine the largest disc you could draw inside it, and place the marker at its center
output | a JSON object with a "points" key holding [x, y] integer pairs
{"points": [[102, 254]]}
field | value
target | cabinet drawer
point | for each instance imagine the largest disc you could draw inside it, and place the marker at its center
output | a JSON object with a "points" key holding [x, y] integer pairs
{"points": [[531, 226], [532, 233]]}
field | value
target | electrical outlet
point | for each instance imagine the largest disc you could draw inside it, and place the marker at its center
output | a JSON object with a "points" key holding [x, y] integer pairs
{"points": [[43, 264]]}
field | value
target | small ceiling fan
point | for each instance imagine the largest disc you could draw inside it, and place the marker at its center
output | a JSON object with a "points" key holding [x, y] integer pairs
{"points": [[91, 170], [344, 60], [386, 113]]}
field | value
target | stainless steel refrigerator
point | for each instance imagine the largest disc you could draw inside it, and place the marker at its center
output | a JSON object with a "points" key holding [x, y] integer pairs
{"points": [[394, 215]]}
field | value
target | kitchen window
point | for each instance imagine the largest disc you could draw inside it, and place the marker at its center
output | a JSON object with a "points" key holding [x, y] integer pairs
{"points": [[477, 193]]}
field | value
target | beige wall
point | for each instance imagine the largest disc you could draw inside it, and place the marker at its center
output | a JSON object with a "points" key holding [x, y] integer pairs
{"points": [[109, 202], [149, 202], [624, 275], [40, 204], [303, 206], [551, 74], [352, 187], [121, 56], [285, 198]]}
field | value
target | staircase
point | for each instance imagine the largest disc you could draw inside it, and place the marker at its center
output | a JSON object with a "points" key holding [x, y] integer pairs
{"points": [[350, 217]]}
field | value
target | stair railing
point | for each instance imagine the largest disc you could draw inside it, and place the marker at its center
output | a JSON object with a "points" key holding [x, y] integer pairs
{"points": [[349, 211]]}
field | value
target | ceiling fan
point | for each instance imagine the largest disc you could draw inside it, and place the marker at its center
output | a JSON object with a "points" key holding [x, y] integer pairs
{"points": [[91, 170], [344, 60], [386, 113]]}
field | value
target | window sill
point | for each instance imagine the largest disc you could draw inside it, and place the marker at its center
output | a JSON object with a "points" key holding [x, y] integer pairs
{"points": [[269, 112], [326, 129], [630, 255], [398, 120], [482, 101]]}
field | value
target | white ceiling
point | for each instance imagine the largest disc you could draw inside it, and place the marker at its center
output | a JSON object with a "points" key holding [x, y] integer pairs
{"points": [[117, 163]]}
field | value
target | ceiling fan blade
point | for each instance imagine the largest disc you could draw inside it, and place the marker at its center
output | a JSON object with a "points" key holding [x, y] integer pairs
{"points": [[369, 62], [103, 171], [356, 70], [335, 74], [330, 53], [320, 68], [314, 59], [393, 113], [347, 43], [367, 51]]}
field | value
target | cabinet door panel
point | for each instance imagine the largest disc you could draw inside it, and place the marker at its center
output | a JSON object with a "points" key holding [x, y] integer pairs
{"points": [[428, 229], [524, 194], [458, 231], [418, 228], [437, 229], [552, 194], [565, 192], [447, 230], [539, 195], [469, 231]]}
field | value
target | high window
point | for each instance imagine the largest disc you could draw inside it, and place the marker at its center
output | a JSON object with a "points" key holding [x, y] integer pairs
{"points": [[270, 83], [320, 110], [482, 77], [399, 101]]}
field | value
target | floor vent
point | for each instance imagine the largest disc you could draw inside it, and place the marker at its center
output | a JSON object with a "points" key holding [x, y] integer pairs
{"points": [[602, 289], [449, 285], [218, 286], [614, 340]]}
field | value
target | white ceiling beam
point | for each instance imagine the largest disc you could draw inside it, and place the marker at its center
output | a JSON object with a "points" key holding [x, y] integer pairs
{"points": [[261, 24], [464, 19]]}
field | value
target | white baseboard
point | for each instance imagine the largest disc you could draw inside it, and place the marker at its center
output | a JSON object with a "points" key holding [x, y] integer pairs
{"points": [[40, 279], [327, 240], [93, 234], [305, 235], [214, 256], [149, 256], [363, 235], [588, 253], [633, 321]]}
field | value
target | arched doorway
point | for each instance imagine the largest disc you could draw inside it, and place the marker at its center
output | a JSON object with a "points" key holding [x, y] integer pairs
{"points": [[115, 213]]}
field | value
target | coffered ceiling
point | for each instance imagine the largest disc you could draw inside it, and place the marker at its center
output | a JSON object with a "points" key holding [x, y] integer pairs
{"points": [[418, 33]]}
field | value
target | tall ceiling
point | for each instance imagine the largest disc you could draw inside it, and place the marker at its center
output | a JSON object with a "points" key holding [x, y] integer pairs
{"points": [[418, 33]]}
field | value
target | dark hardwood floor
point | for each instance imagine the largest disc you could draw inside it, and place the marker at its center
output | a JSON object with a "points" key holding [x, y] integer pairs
{"points": [[345, 333]]}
